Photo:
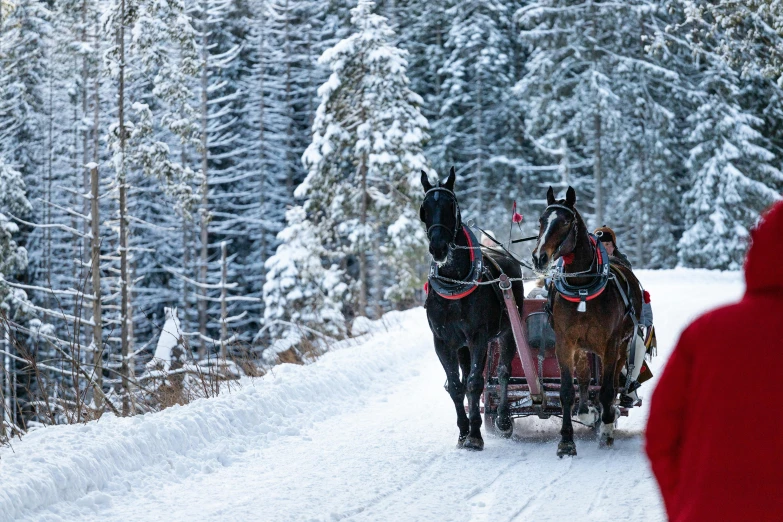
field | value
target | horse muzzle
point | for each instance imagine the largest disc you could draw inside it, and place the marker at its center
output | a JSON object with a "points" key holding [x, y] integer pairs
{"points": [[540, 260]]}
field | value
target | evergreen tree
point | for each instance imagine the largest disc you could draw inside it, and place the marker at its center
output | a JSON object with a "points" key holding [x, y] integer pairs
{"points": [[367, 148], [299, 289], [362, 166], [479, 128], [732, 176], [13, 201]]}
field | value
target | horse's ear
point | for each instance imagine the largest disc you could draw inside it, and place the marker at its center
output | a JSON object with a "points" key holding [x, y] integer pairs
{"points": [[570, 197], [450, 180], [425, 181], [550, 196]]}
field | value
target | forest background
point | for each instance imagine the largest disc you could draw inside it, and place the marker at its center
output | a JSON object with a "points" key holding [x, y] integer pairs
{"points": [[242, 175]]}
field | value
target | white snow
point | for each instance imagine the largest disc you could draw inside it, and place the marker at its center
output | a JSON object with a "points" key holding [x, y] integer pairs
{"points": [[365, 433], [168, 340]]}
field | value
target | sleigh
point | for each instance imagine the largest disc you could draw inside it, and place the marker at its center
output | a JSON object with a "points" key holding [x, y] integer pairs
{"points": [[534, 387]]}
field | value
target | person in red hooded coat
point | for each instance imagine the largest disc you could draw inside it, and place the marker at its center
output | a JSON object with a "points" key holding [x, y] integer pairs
{"points": [[715, 431]]}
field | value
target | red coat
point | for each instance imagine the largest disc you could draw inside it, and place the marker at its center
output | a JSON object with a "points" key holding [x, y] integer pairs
{"points": [[715, 432]]}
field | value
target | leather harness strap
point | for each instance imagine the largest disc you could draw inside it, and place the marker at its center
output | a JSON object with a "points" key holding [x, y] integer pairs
{"points": [[454, 291], [582, 294]]}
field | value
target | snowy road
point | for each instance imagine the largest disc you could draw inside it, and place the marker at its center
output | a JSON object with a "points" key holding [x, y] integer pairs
{"points": [[366, 433]]}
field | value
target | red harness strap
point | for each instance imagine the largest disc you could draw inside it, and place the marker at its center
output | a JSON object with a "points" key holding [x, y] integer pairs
{"points": [[576, 299]]}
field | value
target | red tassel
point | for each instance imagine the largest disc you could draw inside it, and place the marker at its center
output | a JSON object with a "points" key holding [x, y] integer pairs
{"points": [[646, 296], [426, 287], [516, 216], [568, 258]]}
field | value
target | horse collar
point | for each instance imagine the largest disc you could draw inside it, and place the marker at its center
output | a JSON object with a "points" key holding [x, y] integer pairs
{"points": [[451, 290], [582, 294]]}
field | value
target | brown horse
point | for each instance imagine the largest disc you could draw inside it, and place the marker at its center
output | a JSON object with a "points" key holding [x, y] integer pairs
{"points": [[604, 328]]}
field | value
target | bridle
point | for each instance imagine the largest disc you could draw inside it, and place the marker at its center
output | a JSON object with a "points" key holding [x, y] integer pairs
{"points": [[457, 214], [571, 232]]}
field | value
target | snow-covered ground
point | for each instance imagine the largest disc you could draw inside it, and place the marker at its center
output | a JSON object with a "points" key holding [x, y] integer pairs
{"points": [[366, 433]]}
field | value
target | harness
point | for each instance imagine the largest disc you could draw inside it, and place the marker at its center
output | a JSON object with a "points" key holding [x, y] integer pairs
{"points": [[458, 290], [584, 293]]}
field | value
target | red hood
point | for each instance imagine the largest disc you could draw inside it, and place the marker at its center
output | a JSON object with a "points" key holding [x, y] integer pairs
{"points": [[764, 264]]}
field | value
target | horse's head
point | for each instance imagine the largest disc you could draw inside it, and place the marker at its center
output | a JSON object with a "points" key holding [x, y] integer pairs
{"points": [[440, 213], [558, 230]]}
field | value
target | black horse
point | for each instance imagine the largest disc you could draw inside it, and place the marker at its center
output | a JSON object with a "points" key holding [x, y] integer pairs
{"points": [[465, 317]]}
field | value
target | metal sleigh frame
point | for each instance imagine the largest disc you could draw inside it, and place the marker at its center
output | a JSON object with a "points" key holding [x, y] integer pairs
{"points": [[534, 386]]}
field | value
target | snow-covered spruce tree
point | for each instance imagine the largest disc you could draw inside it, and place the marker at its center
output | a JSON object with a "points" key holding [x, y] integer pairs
{"points": [[366, 150], [13, 201], [593, 84], [652, 77], [479, 128], [23, 72], [733, 175], [151, 40], [423, 28], [748, 34], [279, 78], [583, 53], [13, 262], [217, 93], [300, 290], [362, 163]]}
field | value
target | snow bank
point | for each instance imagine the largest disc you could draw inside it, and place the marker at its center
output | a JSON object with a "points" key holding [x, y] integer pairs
{"points": [[367, 433], [65, 463]]}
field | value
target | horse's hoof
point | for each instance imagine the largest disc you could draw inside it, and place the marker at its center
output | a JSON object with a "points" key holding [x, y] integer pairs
{"points": [[504, 428], [566, 448], [588, 418], [606, 435], [461, 440], [474, 443]]}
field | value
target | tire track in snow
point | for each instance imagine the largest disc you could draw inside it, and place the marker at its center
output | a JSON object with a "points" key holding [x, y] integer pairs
{"points": [[532, 498]]}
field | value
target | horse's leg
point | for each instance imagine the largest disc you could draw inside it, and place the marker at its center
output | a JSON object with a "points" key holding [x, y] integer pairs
{"points": [[449, 359], [611, 363], [565, 359], [478, 356], [464, 364], [586, 414], [504, 423]]}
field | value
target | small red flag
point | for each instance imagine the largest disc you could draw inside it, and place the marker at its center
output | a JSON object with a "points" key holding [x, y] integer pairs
{"points": [[516, 217]]}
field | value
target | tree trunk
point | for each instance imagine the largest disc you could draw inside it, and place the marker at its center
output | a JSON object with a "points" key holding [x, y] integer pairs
{"points": [[565, 163], [223, 304], [362, 249], [48, 198], [5, 378], [97, 311], [289, 180], [261, 146], [639, 212], [124, 278], [597, 173], [85, 138], [202, 303], [186, 271], [95, 247], [479, 180]]}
